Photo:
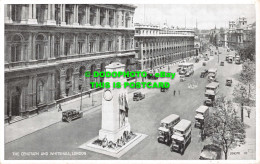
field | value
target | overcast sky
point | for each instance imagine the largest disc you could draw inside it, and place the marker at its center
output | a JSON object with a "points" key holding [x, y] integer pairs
{"points": [[207, 15]]}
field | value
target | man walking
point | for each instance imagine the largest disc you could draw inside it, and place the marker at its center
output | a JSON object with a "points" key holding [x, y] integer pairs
{"points": [[174, 93], [59, 108], [248, 112], [179, 92]]}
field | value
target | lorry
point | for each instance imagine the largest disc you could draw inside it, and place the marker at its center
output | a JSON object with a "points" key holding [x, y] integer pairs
{"points": [[181, 136], [201, 116], [165, 130]]}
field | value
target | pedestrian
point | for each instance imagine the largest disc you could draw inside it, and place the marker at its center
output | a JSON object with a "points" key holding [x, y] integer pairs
{"points": [[59, 108], [248, 112], [179, 92], [174, 93]]}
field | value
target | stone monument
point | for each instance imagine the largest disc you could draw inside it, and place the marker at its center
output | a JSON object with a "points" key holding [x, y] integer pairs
{"points": [[114, 107], [115, 136]]}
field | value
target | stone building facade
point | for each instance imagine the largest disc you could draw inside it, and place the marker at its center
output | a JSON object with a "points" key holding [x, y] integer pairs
{"points": [[49, 47], [238, 34], [161, 46]]}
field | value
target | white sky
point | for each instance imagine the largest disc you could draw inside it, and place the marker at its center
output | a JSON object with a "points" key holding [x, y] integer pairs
{"points": [[207, 15]]}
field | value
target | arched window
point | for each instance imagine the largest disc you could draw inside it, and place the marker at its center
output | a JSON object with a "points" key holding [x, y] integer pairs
{"points": [[16, 49], [39, 47], [40, 92]]}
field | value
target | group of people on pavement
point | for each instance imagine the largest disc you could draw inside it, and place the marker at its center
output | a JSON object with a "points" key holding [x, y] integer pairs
{"points": [[174, 92]]}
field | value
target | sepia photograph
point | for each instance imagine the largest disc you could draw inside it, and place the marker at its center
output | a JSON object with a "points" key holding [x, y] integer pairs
{"points": [[129, 81]]}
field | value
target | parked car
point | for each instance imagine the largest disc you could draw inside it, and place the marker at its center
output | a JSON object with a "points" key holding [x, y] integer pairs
{"points": [[210, 152], [204, 64], [138, 96], [197, 60], [229, 82], [164, 89], [222, 63], [71, 114], [208, 102]]}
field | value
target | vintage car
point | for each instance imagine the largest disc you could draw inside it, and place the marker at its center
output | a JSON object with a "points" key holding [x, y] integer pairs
{"points": [[182, 78], [210, 152], [138, 96], [164, 89], [208, 102], [197, 60], [229, 82], [204, 73], [71, 114], [222, 63], [204, 64], [206, 59]]}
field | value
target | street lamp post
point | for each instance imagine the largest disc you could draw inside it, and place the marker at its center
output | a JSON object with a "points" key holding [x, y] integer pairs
{"points": [[81, 98], [242, 104]]}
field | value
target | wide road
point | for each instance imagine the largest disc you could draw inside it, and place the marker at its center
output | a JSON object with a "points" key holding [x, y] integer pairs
{"points": [[144, 117]]}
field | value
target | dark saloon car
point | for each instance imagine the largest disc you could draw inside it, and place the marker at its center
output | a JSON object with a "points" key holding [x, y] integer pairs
{"points": [[138, 96], [204, 73], [71, 114]]}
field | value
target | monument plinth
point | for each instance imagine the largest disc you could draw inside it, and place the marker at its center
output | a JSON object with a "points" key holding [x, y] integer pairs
{"points": [[115, 136]]}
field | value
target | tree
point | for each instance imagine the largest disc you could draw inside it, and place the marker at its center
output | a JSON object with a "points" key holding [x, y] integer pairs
{"points": [[224, 127], [247, 76], [248, 51]]}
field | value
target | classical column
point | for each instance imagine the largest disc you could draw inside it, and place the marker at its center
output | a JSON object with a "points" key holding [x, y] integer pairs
{"points": [[8, 13], [114, 20], [24, 13], [87, 15], [62, 15], [62, 45], [141, 54], [63, 83], [86, 50], [49, 94], [107, 18], [76, 44], [32, 15], [34, 91], [50, 20], [75, 87], [52, 46], [97, 17], [119, 20], [75, 15], [87, 82], [33, 49]]}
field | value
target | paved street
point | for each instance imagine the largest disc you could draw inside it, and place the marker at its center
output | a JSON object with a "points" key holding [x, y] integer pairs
{"points": [[144, 117]]}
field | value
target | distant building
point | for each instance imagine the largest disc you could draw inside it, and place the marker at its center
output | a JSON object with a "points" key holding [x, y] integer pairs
{"points": [[238, 34], [158, 46]]}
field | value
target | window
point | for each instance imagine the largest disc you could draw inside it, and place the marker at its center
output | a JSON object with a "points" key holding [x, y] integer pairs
{"points": [[80, 47], [39, 51], [67, 48], [15, 53], [16, 14], [91, 47], [56, 49], [40, 93], [110, 45], [101, 46]]}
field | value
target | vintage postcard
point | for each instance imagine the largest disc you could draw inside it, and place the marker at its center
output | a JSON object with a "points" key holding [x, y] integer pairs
{"points": [[129, 81]]}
